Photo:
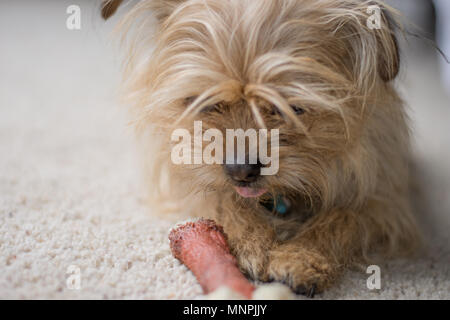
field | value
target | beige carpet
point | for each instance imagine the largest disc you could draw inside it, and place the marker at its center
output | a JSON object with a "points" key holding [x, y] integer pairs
{"points": [[70, 193]]}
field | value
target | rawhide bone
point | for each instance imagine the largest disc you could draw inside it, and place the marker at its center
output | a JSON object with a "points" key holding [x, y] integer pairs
{"points": [[202, 246]]}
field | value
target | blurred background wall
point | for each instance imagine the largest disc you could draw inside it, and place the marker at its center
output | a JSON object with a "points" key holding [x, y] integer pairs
{"points": [[429, 19]]}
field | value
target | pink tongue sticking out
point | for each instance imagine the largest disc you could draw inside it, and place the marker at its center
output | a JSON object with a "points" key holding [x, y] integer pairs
{"points": [[250, 192]]}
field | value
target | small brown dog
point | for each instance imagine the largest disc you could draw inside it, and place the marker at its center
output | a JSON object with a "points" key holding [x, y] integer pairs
{"points": [[316, 71]]}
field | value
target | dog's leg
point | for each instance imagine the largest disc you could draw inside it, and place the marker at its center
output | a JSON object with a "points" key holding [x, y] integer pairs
{"points": [[250, 239], [305, 269], [305, 262], [313, 259]]}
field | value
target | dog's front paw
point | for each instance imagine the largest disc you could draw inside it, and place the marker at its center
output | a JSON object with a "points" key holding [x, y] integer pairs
{"points": [[251, 254], [306, 272], [306, 291], [253, 264]]}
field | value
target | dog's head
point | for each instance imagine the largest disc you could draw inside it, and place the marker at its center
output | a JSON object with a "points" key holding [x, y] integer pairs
{"points": [[311, 69]]}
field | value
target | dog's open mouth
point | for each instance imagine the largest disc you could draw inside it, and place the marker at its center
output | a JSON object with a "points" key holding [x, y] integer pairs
{"points": [[247, 192]]}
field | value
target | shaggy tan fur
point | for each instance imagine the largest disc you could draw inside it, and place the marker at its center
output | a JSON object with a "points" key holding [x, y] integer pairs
{"points": [[244, 64]]}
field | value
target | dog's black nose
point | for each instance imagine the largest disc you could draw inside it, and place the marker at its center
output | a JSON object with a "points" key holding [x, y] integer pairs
{"points": [[243, 172]]}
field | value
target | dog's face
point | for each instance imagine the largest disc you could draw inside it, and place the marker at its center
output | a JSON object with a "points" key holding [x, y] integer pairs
{"points": [[308, 68]]}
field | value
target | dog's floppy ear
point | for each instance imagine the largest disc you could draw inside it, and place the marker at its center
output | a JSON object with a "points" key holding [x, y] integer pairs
{"points": [[161, 8], [109, 7], [388, 48]]}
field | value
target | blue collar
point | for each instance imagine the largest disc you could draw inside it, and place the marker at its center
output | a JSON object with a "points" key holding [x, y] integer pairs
{"points": [[279, 205]]}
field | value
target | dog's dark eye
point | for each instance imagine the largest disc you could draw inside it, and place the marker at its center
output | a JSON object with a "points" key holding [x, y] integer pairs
{"points": [[189, 100], [297, 109], [212, 108], [275, 111]]}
